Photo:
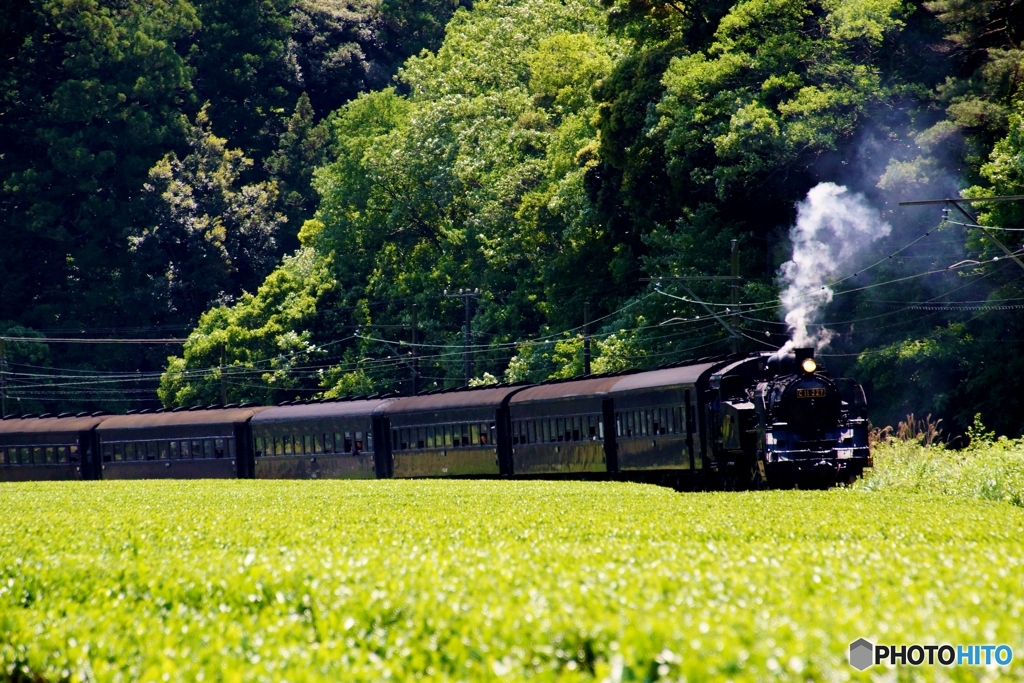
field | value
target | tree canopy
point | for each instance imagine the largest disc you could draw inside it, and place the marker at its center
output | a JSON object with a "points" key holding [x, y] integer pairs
{"points": [[300, 182]]}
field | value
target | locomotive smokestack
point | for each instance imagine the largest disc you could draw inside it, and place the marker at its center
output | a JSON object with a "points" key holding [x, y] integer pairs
{"points": [[805, 359]]}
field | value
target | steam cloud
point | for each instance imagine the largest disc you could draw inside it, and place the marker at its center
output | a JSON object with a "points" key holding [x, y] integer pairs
{"points": [[833, 225]]}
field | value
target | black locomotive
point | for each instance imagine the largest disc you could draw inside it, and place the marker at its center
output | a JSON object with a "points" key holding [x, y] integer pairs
{"points": [[726, 421]]}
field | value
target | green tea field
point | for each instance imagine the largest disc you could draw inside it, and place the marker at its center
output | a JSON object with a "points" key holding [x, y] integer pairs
{"points": [[472, 581]]}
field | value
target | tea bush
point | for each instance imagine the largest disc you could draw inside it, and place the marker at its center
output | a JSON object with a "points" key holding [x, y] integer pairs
{"points": [[472, 581]]}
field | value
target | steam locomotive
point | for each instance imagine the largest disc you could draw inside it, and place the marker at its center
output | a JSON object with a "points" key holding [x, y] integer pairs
{"points": [[731, 422]]}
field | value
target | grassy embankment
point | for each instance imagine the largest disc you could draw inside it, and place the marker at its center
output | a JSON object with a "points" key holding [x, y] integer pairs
{"points": [[914, 460]]}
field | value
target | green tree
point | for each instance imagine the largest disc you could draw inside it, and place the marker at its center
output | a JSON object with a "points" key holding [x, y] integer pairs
{"points": [[91, 93], [210, 236]]}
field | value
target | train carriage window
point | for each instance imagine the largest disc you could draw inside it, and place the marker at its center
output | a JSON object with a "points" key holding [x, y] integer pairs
{"points": [[670, 425], [486, 434], [118, 452], [369, 442], [429, 436], [474, 434], [165, 450], [656, 422], [328, 441], [358, 446], [107, 452], [600, 428], [196, 450], [175, 453], [286, 441], [219, 448], [577, 428], [531, 431], [591, 426], [208, 448], [51, 458], [3, 457]]}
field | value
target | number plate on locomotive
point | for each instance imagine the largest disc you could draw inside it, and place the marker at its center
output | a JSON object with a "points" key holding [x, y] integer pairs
{"points": [[810, 393]]}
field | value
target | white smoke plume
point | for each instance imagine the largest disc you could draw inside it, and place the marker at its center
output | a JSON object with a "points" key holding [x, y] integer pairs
{"points": [[832, 226]]}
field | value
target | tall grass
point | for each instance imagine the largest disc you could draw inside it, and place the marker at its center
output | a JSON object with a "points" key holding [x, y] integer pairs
{"points": [[913, 459]]}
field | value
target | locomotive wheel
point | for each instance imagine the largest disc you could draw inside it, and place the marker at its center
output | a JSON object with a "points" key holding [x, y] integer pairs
{"points": [[744, 475]]}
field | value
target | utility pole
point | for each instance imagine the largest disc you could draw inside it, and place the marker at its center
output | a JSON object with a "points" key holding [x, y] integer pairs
{"points": [[465, 295], [3, 377], [223, 379], [415, 351], [586, 338], [735, 291]]}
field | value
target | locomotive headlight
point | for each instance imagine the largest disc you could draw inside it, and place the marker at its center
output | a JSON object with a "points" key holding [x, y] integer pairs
{"points": [[809, 365]]}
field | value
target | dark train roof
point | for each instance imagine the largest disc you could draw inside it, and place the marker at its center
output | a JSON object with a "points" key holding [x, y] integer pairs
{"points": [[462, 398], [314, 411], [686, 374], [53, 425], [173, 419], [567, 389]]}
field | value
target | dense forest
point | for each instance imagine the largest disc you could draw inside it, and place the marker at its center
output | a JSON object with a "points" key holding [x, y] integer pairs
{"points": [[315, 194]]}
